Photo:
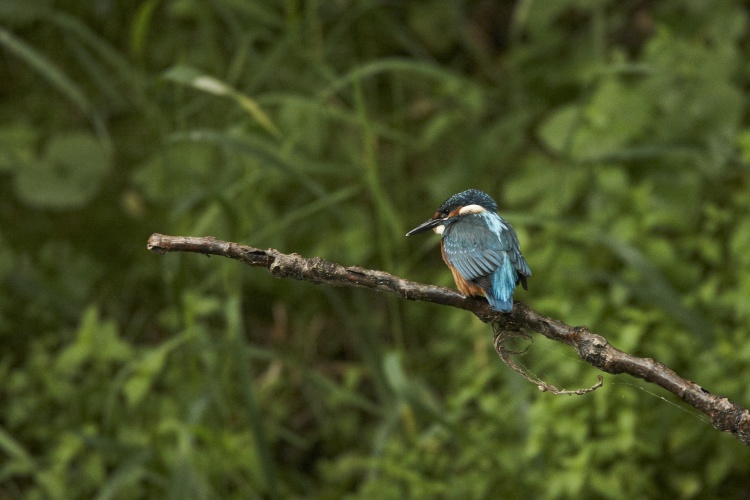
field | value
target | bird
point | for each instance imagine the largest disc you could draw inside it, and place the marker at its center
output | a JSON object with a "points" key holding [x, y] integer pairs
{"points": [[479, 247]]}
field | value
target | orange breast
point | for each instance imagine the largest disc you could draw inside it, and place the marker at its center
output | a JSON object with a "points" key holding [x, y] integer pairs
{"points": [[463, 286]]}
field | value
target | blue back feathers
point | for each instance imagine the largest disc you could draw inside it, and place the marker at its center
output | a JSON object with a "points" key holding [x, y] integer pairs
{"points": [[484, 249]]}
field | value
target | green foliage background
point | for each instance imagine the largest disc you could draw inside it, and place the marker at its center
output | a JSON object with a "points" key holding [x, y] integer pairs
{"points": [[615, 136]]}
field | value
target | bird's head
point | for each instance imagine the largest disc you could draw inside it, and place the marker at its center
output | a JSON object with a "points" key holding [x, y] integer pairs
{"points": [[471, 201]]}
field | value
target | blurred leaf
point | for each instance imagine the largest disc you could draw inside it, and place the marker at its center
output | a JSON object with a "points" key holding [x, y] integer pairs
{"points": [[146, 369], [256, 149], [17, 145], [53, 74], [22, 12], [96, 341], [614, 116], [69, 174], [557, 131], [657, 290], [453, 84], [129, 472], [20, 461], [191, 76], [141, 25]]}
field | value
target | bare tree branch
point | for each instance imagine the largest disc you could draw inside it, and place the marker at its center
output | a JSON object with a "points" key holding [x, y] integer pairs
{"points": [[725, 415]]}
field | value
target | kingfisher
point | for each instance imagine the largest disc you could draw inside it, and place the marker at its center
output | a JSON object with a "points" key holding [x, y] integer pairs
{"points": [[480, 248]]}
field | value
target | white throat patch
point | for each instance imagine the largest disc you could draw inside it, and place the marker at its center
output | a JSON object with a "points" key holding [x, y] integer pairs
{"points": [[471, 209], [439, 229]]}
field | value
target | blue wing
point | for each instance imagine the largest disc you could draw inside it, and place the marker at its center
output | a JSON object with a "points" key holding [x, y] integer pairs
{"points": [[484, 249]]}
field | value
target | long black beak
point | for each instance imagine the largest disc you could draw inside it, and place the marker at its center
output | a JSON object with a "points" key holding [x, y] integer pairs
{"points": [[425, 226]]}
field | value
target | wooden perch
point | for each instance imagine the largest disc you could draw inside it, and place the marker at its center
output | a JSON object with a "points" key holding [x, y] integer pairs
{"points": [[725, 415]]}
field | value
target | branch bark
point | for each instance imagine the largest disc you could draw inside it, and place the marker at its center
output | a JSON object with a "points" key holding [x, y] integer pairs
{"points": [[725, 415]]}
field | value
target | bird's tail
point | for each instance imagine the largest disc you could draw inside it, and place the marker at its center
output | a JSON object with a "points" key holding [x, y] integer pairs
{"points": [[499, 304], [504, 279]]}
